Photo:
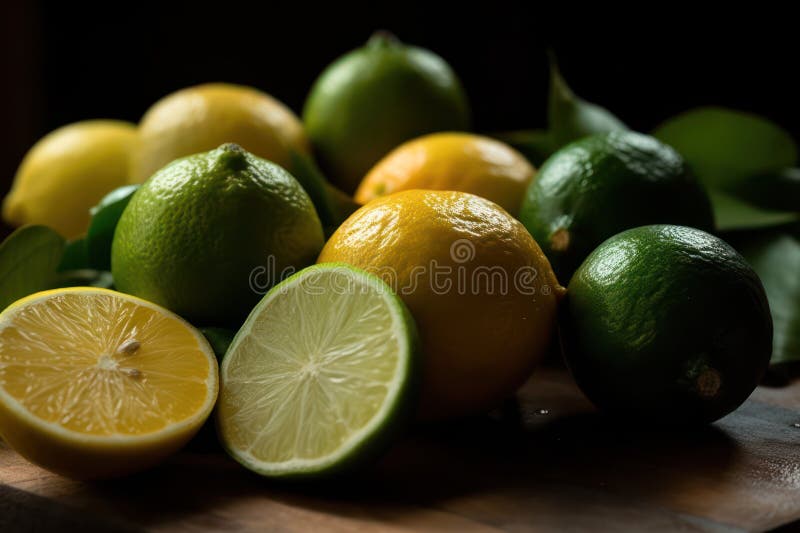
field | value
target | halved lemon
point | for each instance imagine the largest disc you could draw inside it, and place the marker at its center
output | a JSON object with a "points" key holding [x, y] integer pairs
{"points": [[96, 383], [321, 376]]}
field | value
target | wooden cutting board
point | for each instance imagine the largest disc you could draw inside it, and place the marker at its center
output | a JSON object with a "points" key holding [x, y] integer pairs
{"points": [[550, 463]]}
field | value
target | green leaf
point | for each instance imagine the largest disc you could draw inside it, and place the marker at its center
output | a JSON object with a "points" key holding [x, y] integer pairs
{"points": [[105, 216], [305, 170], [219, 339], [75, 256], [570, 117], [731, 213], [725, 147], [28, 261], [775, 256], [535, 145], [778, 190]]}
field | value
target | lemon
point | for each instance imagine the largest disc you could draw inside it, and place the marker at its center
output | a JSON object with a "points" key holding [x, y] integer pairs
{"points": [[479, 287], [96, 384], [67, 172], [197, 119], [321, 376], [209, 234], [452, 162]]}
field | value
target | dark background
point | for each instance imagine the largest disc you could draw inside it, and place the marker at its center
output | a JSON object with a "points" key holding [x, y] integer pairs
{"points": [[67, 61]]}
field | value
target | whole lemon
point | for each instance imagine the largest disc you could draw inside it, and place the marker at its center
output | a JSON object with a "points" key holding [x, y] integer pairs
{"points": [[482, 292], [67, 172], [374, 98], [452, 162], [209, 234], [200, 118]]}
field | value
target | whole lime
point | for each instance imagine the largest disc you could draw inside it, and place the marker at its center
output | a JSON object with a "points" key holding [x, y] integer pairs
{"points": [[666, 323], [601, 185], [374, 98], [208, 234]]}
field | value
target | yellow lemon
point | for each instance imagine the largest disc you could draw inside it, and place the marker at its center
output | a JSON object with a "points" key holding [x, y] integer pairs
{"points": [[452, 162], [67, 172], [200, 118], [482, 292], [95, 383]]}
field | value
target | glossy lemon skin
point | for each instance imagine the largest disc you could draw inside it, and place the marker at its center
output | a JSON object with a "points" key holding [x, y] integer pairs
{"points": [[436, 249], [452, 162], [200, 118], [83, 455], [67, 172]]}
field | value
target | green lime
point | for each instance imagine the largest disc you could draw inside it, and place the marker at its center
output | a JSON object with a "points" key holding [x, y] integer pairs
{"points": [[376, 97], [321, 376], [601, 185], [666, 323], [208, 234]]}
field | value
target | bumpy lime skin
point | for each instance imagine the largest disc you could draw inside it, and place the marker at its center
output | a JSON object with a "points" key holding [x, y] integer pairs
{"points": [[601, 185], [374, 98], [666, 324], [201, 230]]}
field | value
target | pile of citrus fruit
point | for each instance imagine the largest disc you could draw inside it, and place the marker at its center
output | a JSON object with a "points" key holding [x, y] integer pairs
{"points": [[322, 283]]}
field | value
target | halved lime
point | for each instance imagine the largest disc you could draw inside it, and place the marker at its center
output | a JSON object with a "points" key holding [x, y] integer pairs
{"points": [[321, 376]]}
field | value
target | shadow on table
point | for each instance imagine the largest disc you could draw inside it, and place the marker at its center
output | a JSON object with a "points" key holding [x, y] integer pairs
{"points": [[514, 454]]}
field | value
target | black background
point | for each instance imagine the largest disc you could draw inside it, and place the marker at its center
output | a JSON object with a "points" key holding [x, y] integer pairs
{"points": [[68, 61]]}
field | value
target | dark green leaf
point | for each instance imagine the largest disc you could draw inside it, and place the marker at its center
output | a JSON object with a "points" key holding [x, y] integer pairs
{"points": [[725, 147], [105, 216], [219, 339], [777, 190], [775, 256], [75, 256], [570, 117], [535, 145], [731, 213], [342, 206], [305, 170], [28, 261]]}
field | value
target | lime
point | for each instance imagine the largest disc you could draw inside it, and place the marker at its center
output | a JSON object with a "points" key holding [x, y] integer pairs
{"points": [[603, 184], [207, 235], [372, 99], [321, 375], [666, 322]]}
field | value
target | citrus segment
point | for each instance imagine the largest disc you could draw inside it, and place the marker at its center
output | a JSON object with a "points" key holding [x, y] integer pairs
{"points": [[319, 374]]}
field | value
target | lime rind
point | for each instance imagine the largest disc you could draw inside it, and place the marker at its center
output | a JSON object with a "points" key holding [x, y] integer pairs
{"points": [[368, 441]]}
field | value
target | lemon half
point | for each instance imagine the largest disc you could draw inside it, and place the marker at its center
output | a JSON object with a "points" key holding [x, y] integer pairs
{"points": [[96, 384]]}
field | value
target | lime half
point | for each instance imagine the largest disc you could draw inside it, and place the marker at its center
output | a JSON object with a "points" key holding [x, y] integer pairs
{"points": [[321, 376]]}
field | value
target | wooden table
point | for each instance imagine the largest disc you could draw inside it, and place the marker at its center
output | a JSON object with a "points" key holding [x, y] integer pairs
{"points": [[550, 464]]}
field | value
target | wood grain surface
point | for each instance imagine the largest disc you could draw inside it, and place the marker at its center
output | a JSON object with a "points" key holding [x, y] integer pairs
{"points": [[549, 462]]}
